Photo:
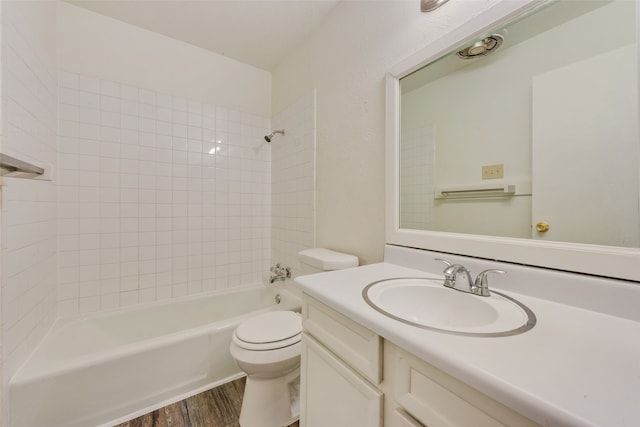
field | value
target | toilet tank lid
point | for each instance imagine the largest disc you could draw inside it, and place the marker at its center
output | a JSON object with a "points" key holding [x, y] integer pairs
{"points": [[326, 259]]}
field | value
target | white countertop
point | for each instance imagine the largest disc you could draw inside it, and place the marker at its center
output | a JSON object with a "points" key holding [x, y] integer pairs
{"points": [[576, 367]]}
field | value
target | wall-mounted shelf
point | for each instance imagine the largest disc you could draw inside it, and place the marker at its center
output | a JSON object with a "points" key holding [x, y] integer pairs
{"points": [[482, 191], [12, 164]]}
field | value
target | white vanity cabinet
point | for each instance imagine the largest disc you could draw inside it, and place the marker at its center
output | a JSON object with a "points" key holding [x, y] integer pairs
{"points": [[341, 368], [342, 382]]}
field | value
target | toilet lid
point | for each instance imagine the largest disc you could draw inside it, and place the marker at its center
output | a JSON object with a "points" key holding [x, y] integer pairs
{"points": [[271, 327]]}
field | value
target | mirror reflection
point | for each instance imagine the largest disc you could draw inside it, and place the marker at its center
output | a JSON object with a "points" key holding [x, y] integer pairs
{"points": [[530, 131]]}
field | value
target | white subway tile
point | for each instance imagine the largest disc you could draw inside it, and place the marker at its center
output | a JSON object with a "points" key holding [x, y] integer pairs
{"points": [[164, 114], [89, 147], [88, 100], [88, 131], [128, 298], [146, 111], [109, 134], [89, 116], [109, 287], [89, 178], [110, 103], [159, 202], [147, 125], [88, 225], [68, 129], [180, 117], [110, 179], [129, 107], [68, 112], [109, 301], [129, 283]]}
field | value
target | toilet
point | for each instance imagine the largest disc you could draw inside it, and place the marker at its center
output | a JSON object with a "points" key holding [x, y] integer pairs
{"points": [[267, 348]]}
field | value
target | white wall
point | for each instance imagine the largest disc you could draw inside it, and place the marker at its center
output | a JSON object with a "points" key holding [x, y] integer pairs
{"points": [[95, 45], [346, 59], [28, 255]]}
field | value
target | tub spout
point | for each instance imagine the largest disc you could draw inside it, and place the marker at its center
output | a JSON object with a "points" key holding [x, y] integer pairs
{"points": [[280, 273]]}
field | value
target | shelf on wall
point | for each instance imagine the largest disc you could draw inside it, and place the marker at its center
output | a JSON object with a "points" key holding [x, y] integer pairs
{"points": [[12, 164]]}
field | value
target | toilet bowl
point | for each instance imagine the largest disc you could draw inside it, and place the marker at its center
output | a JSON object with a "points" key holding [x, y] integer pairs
{"points": [[267, 348]]}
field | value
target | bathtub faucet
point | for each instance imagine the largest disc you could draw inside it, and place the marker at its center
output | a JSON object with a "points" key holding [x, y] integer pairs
{"points": [[280, 273]]}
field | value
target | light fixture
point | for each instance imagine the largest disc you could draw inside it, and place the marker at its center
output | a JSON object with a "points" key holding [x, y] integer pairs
{"points": [[429, 5], [484, 47]]}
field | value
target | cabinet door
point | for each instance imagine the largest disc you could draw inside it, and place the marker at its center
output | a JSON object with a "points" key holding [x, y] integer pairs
{"points": [[333, 394]]}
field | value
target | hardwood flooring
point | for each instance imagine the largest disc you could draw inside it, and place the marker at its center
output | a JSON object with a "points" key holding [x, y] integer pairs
{"points": [[218, 407]]}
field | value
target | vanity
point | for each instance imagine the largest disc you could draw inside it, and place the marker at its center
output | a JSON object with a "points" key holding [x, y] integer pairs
{"points": [[579, 365]]}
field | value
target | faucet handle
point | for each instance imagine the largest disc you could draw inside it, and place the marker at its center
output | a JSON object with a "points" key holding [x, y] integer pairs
{"points": [[449, 269], [481, 285], [443, 260]]}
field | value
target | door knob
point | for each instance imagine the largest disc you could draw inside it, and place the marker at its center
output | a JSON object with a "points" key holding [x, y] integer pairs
{"points": [[542, 227]]}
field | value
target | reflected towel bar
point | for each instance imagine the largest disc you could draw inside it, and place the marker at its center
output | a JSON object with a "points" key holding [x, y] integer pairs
{"points": [[476, 192], [15, 165]]}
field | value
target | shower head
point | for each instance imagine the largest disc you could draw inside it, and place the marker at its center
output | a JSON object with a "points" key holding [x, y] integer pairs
{"points": [[270, 136]]}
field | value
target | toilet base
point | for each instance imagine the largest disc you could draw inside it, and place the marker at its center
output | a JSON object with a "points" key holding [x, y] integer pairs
{"points": [[269, 402]]}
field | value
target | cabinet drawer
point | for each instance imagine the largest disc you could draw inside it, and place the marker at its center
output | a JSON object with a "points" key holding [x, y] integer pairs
{"points": [[439, 400], [353, 343]]}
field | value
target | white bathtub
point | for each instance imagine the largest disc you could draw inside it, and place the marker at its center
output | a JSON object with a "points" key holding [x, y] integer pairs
{"points": [[105, 368]]}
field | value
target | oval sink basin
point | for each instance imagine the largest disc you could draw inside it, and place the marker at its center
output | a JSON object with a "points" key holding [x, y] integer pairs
{"points": [[426, 303]]}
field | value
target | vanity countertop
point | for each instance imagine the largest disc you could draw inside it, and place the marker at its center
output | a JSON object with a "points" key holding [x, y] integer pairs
{"points": [[576, 367]]}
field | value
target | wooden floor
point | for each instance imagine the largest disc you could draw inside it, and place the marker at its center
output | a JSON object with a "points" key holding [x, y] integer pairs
{"points": [[218, 407]]}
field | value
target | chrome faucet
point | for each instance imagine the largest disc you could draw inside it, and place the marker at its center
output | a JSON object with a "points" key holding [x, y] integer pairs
{"points": [[280, 273], [457, 276]]}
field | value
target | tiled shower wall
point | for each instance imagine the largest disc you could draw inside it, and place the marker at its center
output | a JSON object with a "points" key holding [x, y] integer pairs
{"points": [[28, 256], [293, 186], [158, 196], [417, 177]]}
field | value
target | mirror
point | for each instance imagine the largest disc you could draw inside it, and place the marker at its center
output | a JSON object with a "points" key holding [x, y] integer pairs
{"points": [[522, 124]]}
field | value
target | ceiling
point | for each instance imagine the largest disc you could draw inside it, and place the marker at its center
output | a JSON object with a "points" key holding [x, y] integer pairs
{"points": [[256, 32]]}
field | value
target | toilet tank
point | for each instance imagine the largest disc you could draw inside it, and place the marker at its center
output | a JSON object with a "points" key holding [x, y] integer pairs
{"points": [[317, 260]]}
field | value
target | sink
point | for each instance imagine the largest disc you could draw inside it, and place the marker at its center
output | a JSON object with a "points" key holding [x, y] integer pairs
{"points": [[427, 304]]}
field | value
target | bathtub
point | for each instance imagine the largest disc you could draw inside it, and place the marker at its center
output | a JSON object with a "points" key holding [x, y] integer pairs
{"points": [[105, 368]]}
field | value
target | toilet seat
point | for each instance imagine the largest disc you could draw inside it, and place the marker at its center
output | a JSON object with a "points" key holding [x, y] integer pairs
{"points": [[269, 331]]}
